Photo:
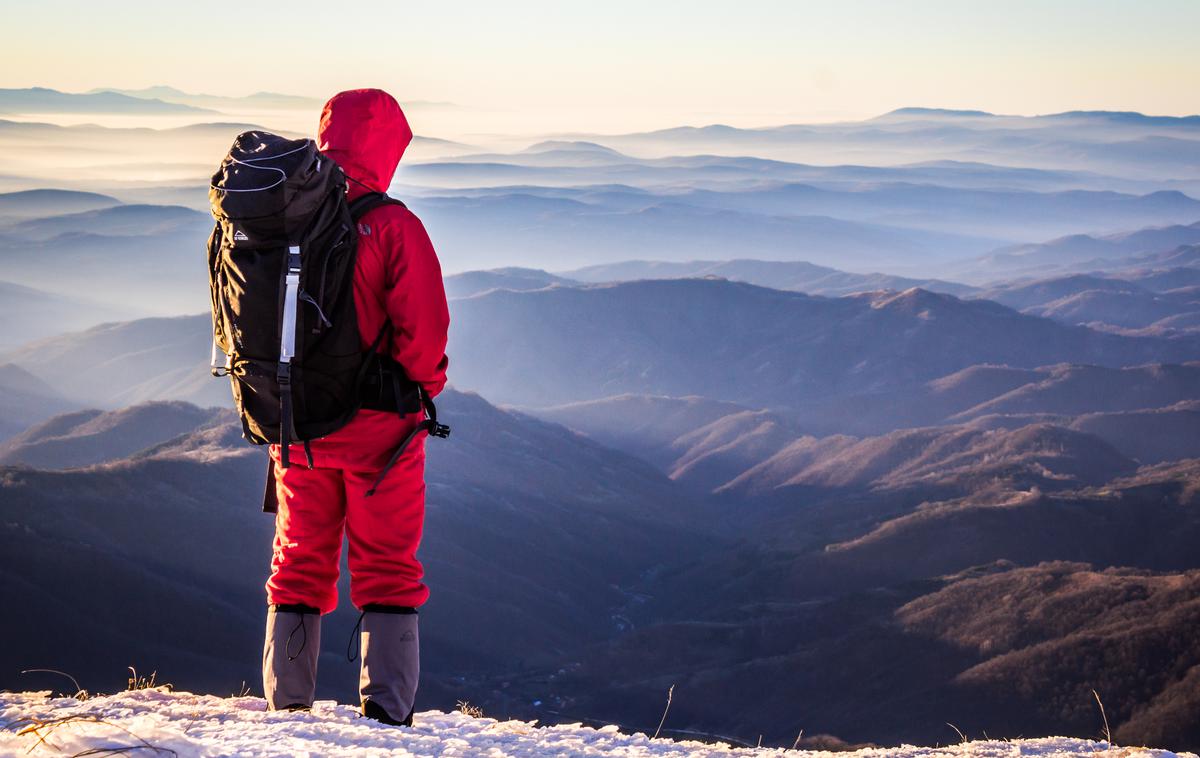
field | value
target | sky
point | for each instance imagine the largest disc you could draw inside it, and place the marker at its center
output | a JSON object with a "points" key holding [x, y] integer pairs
{"points": [[541, 66]]}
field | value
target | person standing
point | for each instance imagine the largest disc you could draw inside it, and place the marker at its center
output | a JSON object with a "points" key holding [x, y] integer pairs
{"points": [[349, 486]]}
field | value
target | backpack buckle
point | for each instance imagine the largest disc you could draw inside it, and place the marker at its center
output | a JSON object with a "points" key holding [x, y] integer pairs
{"points": [[439, 430]]}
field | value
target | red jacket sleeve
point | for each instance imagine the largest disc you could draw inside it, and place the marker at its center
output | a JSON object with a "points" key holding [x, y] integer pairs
{"points": [[415, 301]]}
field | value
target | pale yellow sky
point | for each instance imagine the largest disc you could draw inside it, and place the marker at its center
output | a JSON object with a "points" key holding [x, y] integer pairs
{"points": [[537, 67]]}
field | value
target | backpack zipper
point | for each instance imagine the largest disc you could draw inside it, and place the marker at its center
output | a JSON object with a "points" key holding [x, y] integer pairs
{"points": [[321, 287]]}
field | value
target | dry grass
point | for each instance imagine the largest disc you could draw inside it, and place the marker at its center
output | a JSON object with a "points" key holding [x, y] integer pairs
{"points": [[80, 693], [44, 729], [1107, 731], [962, 737], [145, 682], [663, 720]]}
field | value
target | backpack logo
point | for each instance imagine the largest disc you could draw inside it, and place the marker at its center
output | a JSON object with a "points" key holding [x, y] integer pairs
{"points": [[240, 236], [364, 230]]}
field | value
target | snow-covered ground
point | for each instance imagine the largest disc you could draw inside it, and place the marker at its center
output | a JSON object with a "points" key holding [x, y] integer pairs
{"points": [[154, 722]]}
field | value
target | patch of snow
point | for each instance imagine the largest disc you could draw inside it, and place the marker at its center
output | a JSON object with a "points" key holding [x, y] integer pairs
{"points": [[155, 722]]}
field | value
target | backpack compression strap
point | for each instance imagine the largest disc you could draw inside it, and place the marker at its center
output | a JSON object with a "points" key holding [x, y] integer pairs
{"points": [[287, 351]]}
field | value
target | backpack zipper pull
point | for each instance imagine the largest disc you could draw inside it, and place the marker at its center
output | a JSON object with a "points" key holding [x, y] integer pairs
{"points": [[309, 299]]}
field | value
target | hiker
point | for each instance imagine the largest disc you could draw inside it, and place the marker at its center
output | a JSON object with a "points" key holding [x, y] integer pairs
{"points": [[343, 481]]}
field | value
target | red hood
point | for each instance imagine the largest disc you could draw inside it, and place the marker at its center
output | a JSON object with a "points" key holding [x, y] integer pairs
{"points": [[365, 131]]}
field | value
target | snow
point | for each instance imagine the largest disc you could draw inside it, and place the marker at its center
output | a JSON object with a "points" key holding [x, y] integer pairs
{"points": [[157, 722]]}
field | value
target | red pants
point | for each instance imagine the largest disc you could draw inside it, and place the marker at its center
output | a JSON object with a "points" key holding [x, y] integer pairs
{"points": [[318, 504]]}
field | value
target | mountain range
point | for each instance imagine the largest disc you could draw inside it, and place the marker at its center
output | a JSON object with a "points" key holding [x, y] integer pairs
{"points": [[527, 347], [114, 518], [765, 606], [984, 426], [790, 349]]}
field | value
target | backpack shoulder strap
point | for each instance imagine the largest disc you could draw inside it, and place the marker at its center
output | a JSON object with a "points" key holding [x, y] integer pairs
{"points": [[363, 204]]}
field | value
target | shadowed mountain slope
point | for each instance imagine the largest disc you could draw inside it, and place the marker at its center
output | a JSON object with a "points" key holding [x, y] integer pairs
{"points": [[983, 390], [940, 462], [84, 438], [999, 649], [531, 533], [750, 345], [698, 442]]}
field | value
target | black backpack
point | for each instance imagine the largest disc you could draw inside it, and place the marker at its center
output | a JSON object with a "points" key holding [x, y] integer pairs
{"points": [[281, 271]]}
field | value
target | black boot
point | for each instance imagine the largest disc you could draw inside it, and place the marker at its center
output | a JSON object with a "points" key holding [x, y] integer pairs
{"points": [[376, 712]]}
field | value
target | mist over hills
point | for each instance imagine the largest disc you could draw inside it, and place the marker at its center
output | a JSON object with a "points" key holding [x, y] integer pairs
{"points": [[50, 202], [257, 100], [567, 163], [1128, 144], [535, 223], [799, 276], [32, 314], [1085, 252], [110, 160], [121, 220], [562, 204], [44, 100], [124, 363], [988, 212], [542, 232], [128, 260], [470, 283], [25, 399]]}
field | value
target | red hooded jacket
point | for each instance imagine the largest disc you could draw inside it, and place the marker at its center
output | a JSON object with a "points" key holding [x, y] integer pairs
{"points": [[398, 277]]}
